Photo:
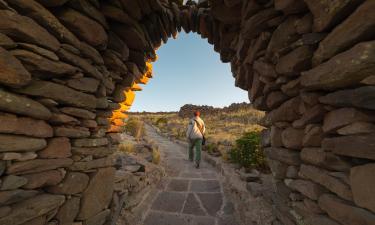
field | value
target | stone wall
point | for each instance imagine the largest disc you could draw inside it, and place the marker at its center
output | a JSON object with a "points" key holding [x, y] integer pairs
{"points": [[66, 65]]}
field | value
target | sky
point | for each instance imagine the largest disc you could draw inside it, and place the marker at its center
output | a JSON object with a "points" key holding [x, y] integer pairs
{"points": [[188, 71]]}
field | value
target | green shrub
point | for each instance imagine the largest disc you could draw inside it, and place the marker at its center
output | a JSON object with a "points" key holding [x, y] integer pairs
{"points": [[247, 151], [135, 127]]}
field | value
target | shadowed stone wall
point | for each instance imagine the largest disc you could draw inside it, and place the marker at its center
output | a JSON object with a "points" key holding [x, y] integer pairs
{"points": [[66, 65]]}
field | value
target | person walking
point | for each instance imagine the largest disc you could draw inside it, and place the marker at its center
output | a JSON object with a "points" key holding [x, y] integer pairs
{"points": [[195, 135]]}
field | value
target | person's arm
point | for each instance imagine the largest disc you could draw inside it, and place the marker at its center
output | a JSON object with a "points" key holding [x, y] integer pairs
{"points": [[189, 128]]}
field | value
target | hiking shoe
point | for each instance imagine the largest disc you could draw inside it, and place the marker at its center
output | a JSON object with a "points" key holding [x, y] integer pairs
{"points": [[197, 165]]}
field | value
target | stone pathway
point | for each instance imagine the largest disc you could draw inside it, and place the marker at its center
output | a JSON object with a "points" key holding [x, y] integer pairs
{"points": [[186, 196]]}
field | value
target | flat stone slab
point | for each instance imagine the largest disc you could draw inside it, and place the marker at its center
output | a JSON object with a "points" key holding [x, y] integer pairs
{"points": [[157, 218], [169, 202], [190, 175], [212, 202], [192, 206], [205, 186], [209, 175], [178, 185]]}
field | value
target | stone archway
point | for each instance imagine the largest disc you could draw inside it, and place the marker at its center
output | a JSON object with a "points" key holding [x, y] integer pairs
{"points": [[66, 63]]}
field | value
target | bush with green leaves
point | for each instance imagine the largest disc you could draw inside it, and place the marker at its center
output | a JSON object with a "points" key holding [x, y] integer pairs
{"points": [[247, 151]]}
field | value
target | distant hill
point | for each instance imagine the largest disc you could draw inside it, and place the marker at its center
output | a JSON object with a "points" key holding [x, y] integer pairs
{"points": [[188, 109]]}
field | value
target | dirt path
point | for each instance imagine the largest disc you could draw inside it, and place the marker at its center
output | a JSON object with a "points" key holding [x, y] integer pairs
{"points": [[186, 196]]}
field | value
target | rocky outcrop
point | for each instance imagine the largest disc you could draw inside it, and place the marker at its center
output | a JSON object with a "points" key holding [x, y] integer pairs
{"points": [[69, 70]]}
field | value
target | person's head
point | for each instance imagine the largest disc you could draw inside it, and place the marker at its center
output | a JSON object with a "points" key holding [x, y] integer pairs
{"points": [[197, 113]]}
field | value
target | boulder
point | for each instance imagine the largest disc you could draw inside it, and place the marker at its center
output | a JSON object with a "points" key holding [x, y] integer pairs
{"points": [[83, 27], [32, 208], [98, 194], [73, 183], [295, 62], [362, 183], [43, 67], [363, 97], [71, 132], [339, 118], [89, 10], [344, 212], [98, 219], [5, 210], [323, 178], [257, 22], [13, 73], [89, 123], [327, 13], [85, 84], [133, 8], [328, 160], [58, 147], [78, 112], [278, 169], [356, 28], [133, 38], [117, 45], [80, 62], [307, 188], [43, 179], [6, 42], [14, 196], [292, 138], [93, 164], [284, 35], [68, 211], [313, 137], [22, 28], [39, 51], [113, 61], [52, 3], [225, 14], [37, 165], [18, 104], [320, 219], [117, 14], [12, 182], [343, 70], [312, 115], [275, 136], [11, 124], [287, 112], [60, 119], [275, 98], [357, 128], [264, 69], [96, 152], [359, 146], [90, 142], [16, 143], [59, 93], [19, 157], [290, 6], [287, 156]]}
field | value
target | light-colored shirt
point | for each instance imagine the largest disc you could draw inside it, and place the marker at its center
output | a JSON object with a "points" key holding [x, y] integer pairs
{"points": [[193, 131]]}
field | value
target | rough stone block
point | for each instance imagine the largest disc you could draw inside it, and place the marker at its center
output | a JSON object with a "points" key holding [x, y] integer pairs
{"points": [[362, 183]]}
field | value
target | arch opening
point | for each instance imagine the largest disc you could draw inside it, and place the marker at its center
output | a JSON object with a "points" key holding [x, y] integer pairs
{"points": [[66, 65]]}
